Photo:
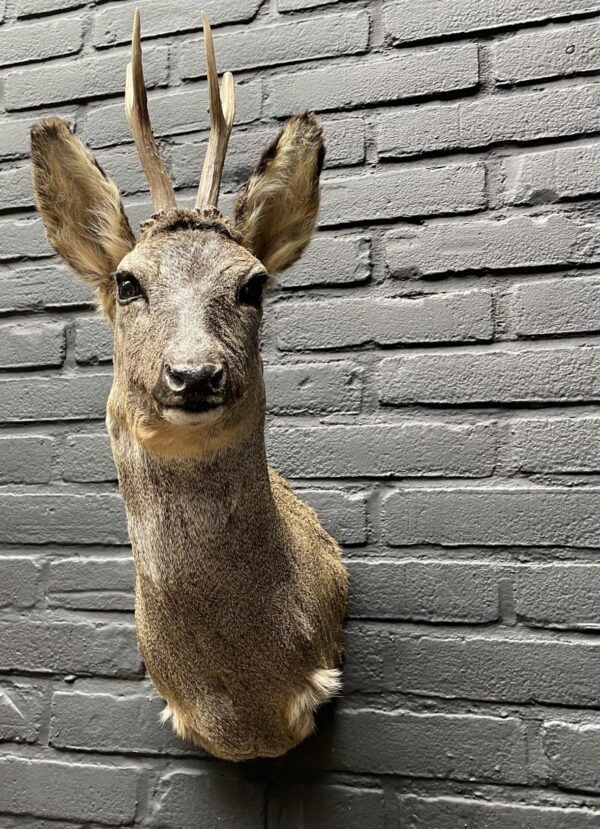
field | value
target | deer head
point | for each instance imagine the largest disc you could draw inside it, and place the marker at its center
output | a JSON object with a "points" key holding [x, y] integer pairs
{"points": [[185, 300]]}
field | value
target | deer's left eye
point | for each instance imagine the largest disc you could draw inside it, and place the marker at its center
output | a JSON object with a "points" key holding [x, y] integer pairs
{"points": [[251, 293], [128, 288]]}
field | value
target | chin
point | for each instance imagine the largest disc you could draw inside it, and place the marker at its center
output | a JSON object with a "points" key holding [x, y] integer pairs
{"points": [[180, 416]]}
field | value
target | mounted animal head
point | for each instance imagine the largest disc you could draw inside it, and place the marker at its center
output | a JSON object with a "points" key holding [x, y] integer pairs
{"points": [[185, 299]]}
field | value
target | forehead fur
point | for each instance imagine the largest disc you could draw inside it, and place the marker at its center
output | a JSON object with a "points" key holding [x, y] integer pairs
{"points": [[182, 219]]}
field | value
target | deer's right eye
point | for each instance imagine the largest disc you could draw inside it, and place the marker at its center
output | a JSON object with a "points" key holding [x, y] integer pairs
{"points": [[128, 288]]}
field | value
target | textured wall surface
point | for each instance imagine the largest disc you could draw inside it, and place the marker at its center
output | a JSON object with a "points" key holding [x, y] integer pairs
{"points": [[433, 370]]}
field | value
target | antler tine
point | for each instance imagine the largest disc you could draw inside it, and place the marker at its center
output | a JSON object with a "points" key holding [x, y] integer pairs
{"points": [[136, 107], [222, 111]]}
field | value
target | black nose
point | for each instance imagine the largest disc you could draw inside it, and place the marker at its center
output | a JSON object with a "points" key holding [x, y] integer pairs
{"points": [[199, 381]]}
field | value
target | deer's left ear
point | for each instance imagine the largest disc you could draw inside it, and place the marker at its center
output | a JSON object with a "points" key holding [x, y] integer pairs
{"points": [[277, 210], [81, 208]]}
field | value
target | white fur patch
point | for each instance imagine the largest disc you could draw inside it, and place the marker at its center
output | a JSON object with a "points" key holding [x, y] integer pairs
{"points": [[321, 686], [181, 417]]}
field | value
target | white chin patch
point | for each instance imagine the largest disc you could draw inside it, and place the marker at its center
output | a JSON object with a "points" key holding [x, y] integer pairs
{"points": [[181, 417]]}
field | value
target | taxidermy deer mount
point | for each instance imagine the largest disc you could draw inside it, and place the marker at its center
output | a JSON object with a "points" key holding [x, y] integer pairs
{"points": [[240, 593]]}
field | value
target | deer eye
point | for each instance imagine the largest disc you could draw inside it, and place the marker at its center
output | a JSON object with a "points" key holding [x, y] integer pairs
{"points": [[251, 292], [128, 288]]}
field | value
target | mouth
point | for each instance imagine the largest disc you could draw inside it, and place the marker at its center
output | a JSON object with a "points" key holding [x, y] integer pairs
{"points": [[192, 412]]}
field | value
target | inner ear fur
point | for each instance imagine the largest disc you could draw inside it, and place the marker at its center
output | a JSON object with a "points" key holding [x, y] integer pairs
{"points": [[277, 211], [80, 206]]}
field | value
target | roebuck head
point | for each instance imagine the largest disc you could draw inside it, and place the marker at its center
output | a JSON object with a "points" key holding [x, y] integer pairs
{"points": [[185, 299]]}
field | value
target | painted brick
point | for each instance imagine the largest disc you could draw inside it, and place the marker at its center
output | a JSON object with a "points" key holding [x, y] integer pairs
{"points": [[407, 75], [497, 119], [450, 317], [18, 581], [382, 450], [556, 306], [313, 387], [331, 260], [112, 25], [449, 812], [92, 583], [343, 514], [87, 457], [501, 244], [558, 444], [569, 374], [32, 289], [21, 709], [61, 397], [26, 459], [426, 591], [403, 192], [93, 341], [73, 791], [405, 21], [30, 345], [552, 53], [572, 752], [552, 175], [558, 595], [40, 41], [20, 235], [331, 806], [520, 517], [287, 42], [14, 137], [90, 77], [76, 647], [15, 188], [298, 5], [184, 800], [31, 8]]}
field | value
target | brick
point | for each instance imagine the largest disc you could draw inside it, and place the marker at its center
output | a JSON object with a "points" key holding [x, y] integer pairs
{"points": [[331, 260], [501, 244], [73, 791], [403, 192], [572, 753], [41, 41], [425, 591], [503, 667], [78, 647], [568, 374], [21, 709], [402, 76], [460, 747], [112, 25], [93, 341], [31, 8], [343, 514], [298, 5], [18, 581], [374, 450], [445, 812], [79, 723], [556, 306], [92, 583], [497, 119], [15, 188], [87, 457], [406, 22], [186, 800], [558, 444], [14, 137], [20, 235], [552, 175], [35, 288], [312, 387], [172, 113], [26, 459], [123, 166], [339, 323], [558, 595], [90, 77], [26, 345], [68, 518], [330, 806], [550, 53], [287, 42], [520, 517], [62, 397]]}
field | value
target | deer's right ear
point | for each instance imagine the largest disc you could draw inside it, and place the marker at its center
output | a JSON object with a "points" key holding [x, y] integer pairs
{"points": [[81, 208]]}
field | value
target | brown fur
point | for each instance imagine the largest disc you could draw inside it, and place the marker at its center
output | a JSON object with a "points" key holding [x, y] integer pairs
{"points": [[240, 593]]}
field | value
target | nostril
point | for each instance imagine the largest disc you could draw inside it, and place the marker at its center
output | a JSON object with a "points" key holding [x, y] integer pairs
{"points": [[175, 380], [216, 376]]}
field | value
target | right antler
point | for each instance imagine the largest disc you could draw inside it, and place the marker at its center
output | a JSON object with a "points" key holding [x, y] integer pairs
{"points": [[222, 111]]}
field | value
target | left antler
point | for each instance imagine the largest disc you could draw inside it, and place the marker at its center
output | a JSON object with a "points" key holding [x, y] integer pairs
{"points": [[222, 111], [136, 107]]}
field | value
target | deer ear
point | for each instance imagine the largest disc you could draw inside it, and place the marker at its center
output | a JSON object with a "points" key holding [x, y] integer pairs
{"points": [[277, 210], [81, 208]]}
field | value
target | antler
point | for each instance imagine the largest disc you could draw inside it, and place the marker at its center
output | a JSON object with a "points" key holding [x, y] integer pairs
{"points": [[136, 107], [222, 111]]}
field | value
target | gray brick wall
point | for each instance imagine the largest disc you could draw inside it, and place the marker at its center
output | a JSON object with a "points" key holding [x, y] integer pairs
{"points": [[433, 371]]}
